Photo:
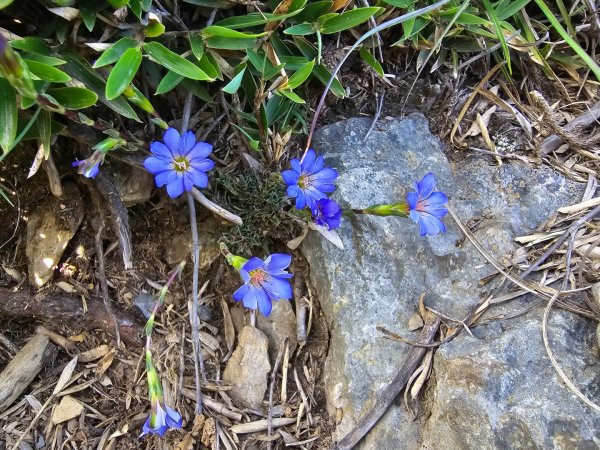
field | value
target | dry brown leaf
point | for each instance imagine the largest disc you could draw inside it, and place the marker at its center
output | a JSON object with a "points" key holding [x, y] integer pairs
{"points": [[94, 353], [67, 409], [105, 363], [228, 323], [339, 4], [65, 376], [208, 432]]}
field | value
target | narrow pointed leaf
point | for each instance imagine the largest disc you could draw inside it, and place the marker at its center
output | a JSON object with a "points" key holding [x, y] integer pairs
{"points": [[46, 72], [122, 74], [348, 19], [115, 51], [172, 61], [73, 97], [235, 83], [8, 115]]}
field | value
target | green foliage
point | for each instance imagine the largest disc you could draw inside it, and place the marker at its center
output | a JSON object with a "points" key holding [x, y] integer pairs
{"points": [[259, 201], [262, 63]]}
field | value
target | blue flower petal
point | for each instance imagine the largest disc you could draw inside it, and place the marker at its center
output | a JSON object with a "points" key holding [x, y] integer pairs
{"points": [[241, 292], [156, 165], [188, 182], [171, 140], [187, 142], [202, 164], [277, 261], [281, 289], [200, 151], [326, 175], [295, 163], [437, 199], [165, 177], [264, 302], [197, 177], [253, 264], [174, 419], [412, 198], [250, 300], [290, 177], [319, 164], [245, 275], [161, 150], [308, 161], [415, 216], [300, 197], [175, 188], [426, 185]]}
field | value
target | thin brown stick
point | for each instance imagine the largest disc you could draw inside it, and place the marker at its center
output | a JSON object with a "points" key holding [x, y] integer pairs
{"points": [[391, 392], [271, 388]]}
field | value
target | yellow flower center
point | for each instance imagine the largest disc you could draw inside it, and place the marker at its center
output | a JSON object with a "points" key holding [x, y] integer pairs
{"points": [[257, 276], [181, 164]]}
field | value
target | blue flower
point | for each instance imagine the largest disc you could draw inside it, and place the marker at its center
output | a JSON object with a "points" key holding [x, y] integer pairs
{"points": [[161, 420], [265, 281], [427, 206], [179, 162], [309, 181], [87, 168], [327, 213]]}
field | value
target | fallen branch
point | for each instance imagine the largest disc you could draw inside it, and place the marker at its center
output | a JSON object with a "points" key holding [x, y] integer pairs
{"points": [[391, 392], [68, 310], [23, 368]]}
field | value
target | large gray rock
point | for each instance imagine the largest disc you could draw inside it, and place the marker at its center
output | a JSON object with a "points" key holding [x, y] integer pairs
{"points": [[386, 265]]}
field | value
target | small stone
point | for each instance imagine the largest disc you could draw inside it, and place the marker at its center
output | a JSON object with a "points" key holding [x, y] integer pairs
{"points": [[280, 324], [248, 368], [178, 248], [145, 303], [133, 184], [415, 322], [49, 231], [67, 409], [238, 317], [204, 313]]}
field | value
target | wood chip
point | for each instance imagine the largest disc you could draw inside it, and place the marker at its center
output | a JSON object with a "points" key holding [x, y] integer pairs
{"points": [[67, 409], [261, 425]]}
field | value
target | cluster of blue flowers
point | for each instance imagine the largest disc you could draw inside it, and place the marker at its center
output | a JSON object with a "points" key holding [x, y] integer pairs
{"points": [[179, 162], [309, 182]]}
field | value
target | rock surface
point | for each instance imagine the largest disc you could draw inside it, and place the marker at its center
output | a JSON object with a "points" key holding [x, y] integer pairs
{"points": [[49, 231], [495, 391], [280, 324], [248, 368]]}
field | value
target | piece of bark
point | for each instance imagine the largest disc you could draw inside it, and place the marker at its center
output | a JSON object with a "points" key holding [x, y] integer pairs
{"points": [[553, 141], [67, 310], [23, 368]]}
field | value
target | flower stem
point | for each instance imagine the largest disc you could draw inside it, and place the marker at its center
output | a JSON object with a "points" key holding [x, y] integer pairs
{"points": [[196, 345]]}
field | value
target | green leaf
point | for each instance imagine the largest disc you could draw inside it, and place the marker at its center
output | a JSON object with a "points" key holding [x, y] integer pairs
{"points": [[81, 70], [118, 3], [292, 96], [169, 82], [302, 29], [8, 115], [48, 60], [209, 66], [233, 86], [215, 30], [136, 7], [370, 60], [196, 88], [211, 3], [172, 61], [253, 19], [44, 124], [146, 4], [4, 4], [197, 46], [511, 9], [32, 45], [46, 72], [348, 19], [300, 75], [313, 11], [73, 97], [401, 3], [115, 51], [491, 12], [226, 43], [122, 74], [323, 75], [593, 65]]}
